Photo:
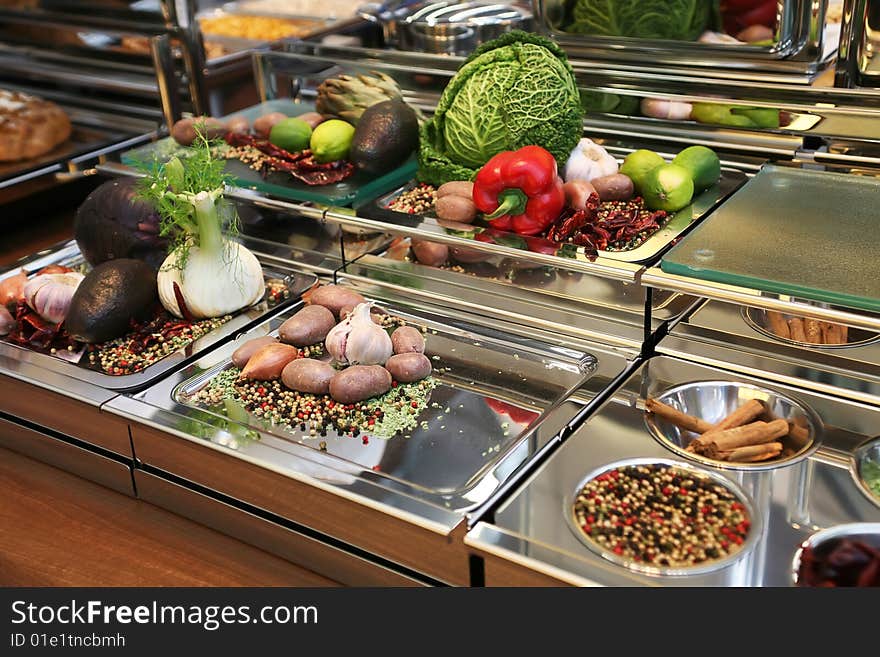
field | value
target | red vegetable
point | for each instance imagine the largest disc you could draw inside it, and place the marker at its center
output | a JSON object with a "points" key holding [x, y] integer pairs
{"points": [[740, 14], [517, 414], [520, 191]]}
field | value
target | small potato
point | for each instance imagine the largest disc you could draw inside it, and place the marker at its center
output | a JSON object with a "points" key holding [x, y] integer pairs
{"points": [[456, 188], [243, 354], [459, 209], [430, 253], [312, 118], [616, 187], [577, 193], [407, 339], [309, 326], [263, 125], [360, 382], [410, 367], [186, 130], [335, 298], [238, 124], [308, 375], [467, 256]]}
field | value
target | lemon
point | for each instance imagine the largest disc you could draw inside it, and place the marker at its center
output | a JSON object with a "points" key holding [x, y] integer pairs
{"points": [[331, 140], [703, 164], [638, 164], [668, 187]]}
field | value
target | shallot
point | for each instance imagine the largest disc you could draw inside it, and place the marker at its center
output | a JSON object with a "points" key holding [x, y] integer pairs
{"points": [[12, 288]]}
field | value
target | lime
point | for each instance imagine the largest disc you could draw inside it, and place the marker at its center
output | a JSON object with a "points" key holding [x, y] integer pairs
{"points": [[668, 187], [639, 164], [291, 134], [331, 140], [702, 163]]}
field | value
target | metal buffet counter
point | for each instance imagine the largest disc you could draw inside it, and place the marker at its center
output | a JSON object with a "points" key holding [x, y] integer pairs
{"points": [[547, 369]]}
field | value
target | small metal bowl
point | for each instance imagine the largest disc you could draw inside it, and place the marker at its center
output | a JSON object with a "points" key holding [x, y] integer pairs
{"points": [[869, 532], [757, 319], [867, 451], [666, 571], [714, 400]]}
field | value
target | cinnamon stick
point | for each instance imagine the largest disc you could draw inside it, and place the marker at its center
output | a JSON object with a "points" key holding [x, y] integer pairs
{"points": [[778, 325], [796, 328], [742, 415], [844, 333], [755, 433], [676, 417], [813, 331], [835, 333], [761, 457], [751, 451], [798, 436]]}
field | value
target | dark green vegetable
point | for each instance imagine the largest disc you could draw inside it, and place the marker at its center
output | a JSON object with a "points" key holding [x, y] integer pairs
{"points": [[871, 476], [517, 90], [680, 20]]}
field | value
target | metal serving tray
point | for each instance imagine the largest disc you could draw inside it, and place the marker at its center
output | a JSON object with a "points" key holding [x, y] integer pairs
{"points": [[68, 254], [530, 541], [412, 508], [677, 226]]}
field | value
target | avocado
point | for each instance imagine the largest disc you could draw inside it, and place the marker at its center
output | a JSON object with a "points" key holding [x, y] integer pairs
{"points": [[110, 296], [386, 135]]}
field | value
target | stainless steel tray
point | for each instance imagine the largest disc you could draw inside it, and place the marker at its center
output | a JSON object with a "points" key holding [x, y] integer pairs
{"points": [[530, 534], [465, 444], [655, 245], [68, 254]]}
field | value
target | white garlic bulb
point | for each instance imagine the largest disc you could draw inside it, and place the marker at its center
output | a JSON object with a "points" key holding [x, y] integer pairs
{"points": [[49, 295], [358, 341]]}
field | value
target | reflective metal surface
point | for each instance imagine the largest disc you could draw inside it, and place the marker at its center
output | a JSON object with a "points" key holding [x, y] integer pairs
{"points": [[712, 401], [78, 367], [530, 540]]}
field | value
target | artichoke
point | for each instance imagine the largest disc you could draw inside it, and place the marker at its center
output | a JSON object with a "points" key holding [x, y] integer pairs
{"points": [[348, 96]]}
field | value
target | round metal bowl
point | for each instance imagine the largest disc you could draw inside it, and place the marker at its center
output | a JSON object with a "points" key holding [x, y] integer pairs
{"points": [[666, 571], [712, 401], [757, 319], [869, 532], [867, 451]]}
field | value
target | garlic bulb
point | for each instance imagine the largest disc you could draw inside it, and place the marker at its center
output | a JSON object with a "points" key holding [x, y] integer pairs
{"points": [[49, 295], [588, 160], [358, 341]]}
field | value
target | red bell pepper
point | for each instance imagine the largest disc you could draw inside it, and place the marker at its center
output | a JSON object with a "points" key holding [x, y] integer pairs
{"points": [[520, 191], [740, 14]]}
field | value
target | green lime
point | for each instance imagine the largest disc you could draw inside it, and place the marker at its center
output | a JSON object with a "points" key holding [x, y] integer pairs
{"points": [[668, 187], [291, 134], [638, 164], [331, 140], [702, 163]]}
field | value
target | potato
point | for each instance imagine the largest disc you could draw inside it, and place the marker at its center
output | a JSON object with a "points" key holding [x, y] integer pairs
{"points": [[335, 298], [456, 208], [410, 367], [616, 187], [309, 326], [407, 339], [430, 253], [360, 382], [312, 118], [577, 193], [184, 131], [308, 375], [456, 188], [238, 124], [268, 362], [263, 125], [243, 354]]}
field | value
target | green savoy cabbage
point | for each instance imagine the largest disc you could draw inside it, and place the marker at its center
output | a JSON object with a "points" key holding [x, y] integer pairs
{"points": [[681, 20], [515, 91]]}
